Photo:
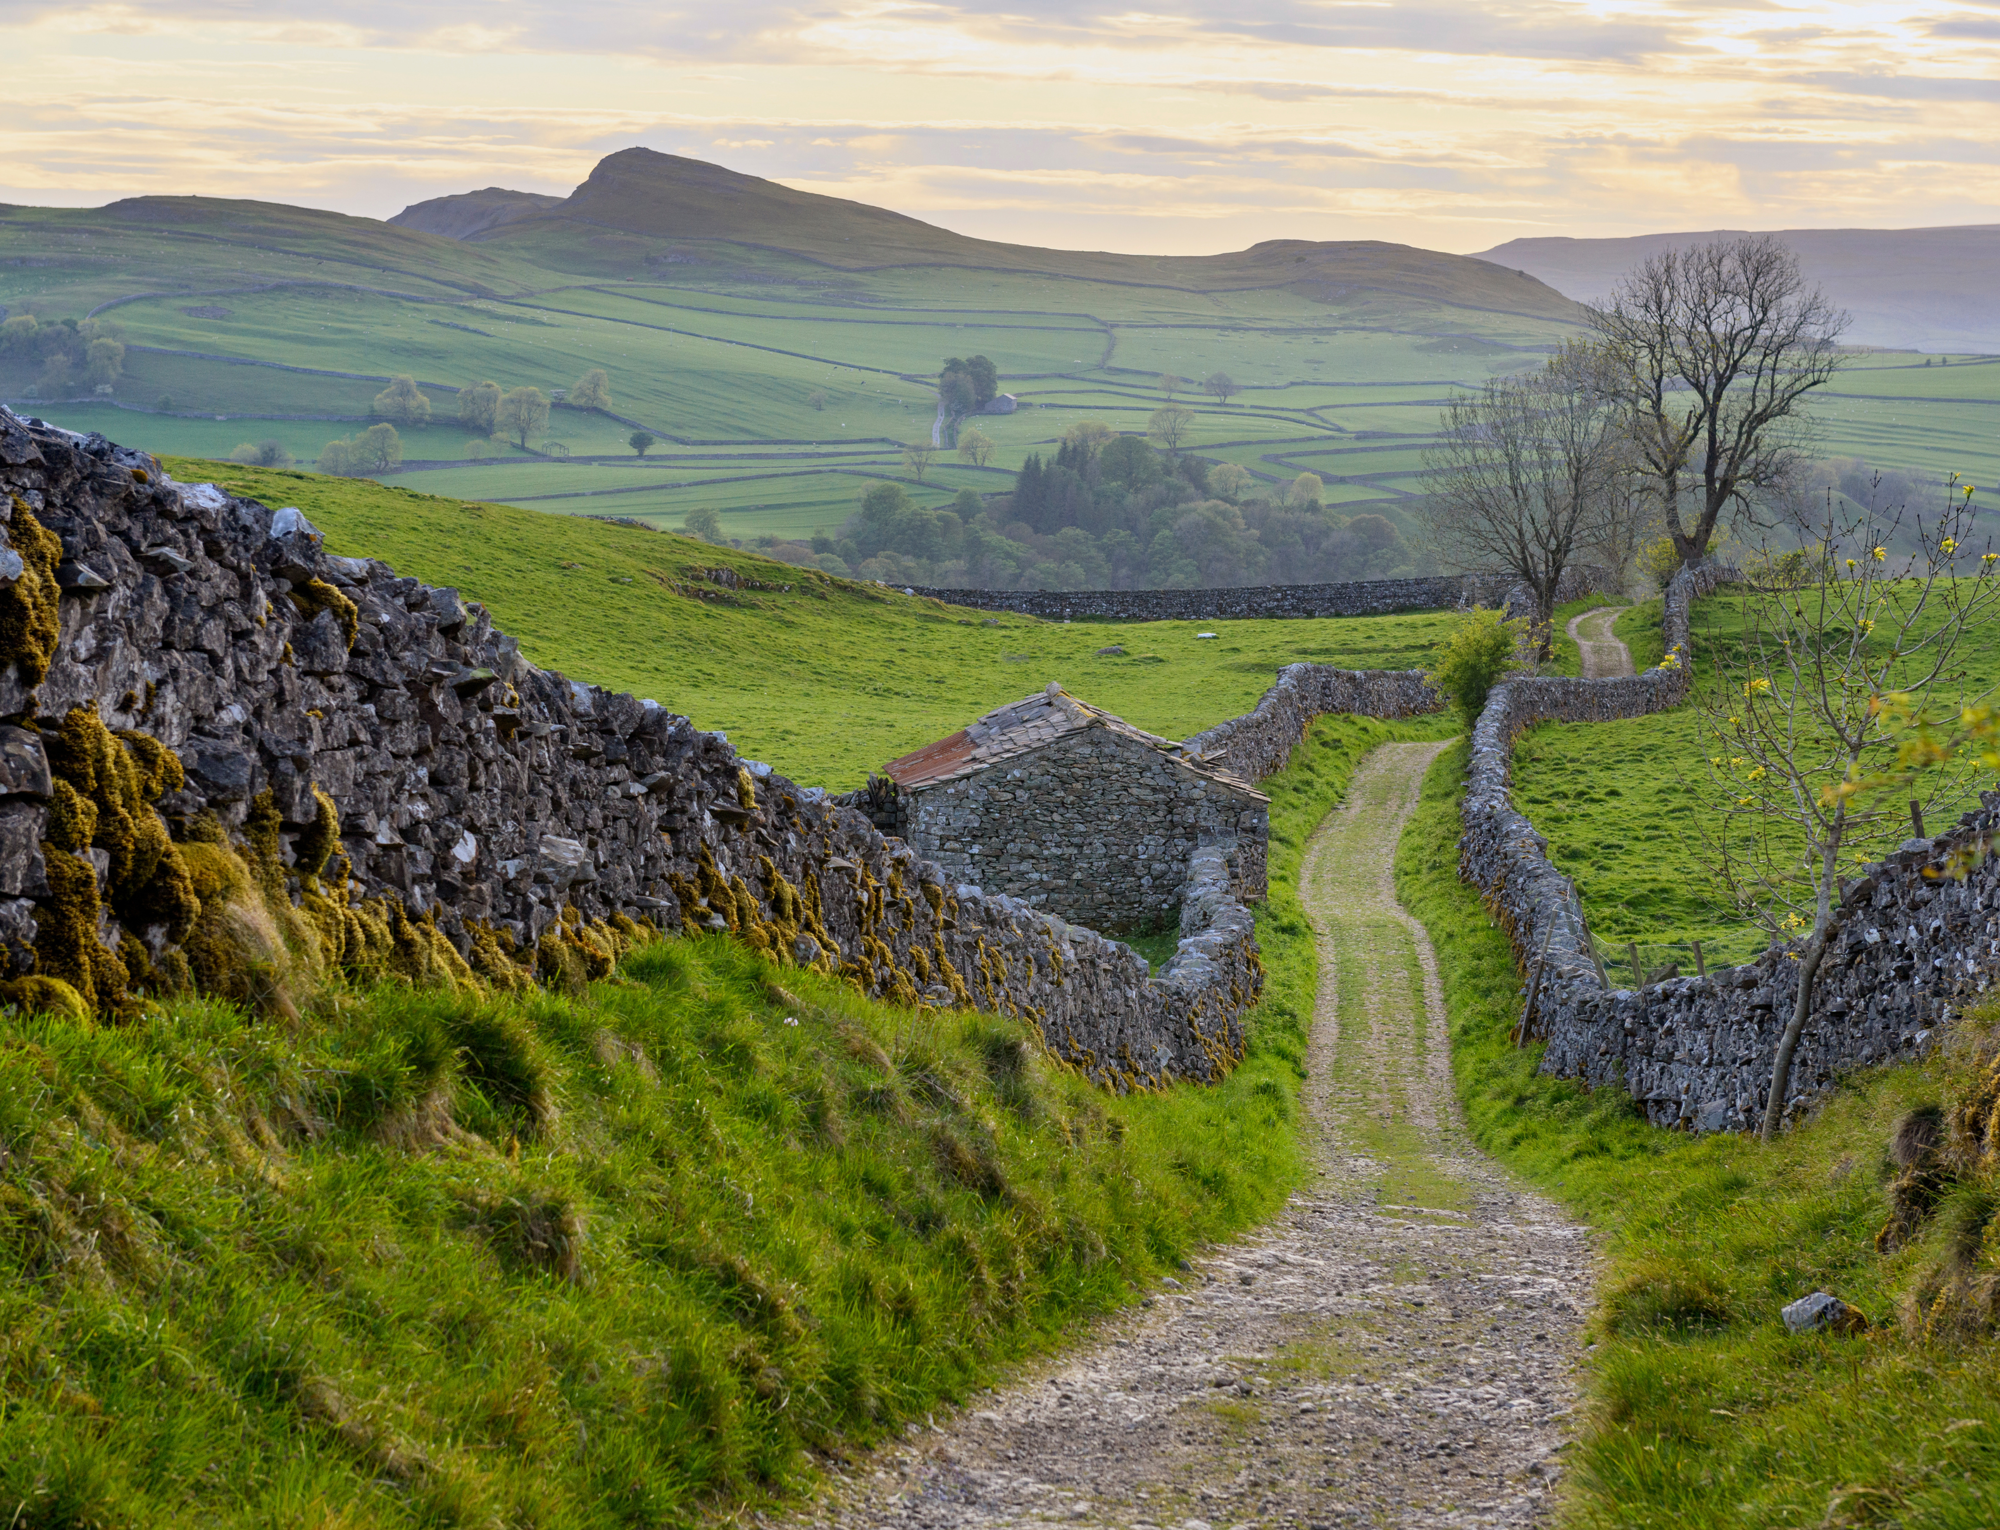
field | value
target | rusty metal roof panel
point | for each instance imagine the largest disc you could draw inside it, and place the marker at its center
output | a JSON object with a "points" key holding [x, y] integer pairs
{"points": [[932, 763]]}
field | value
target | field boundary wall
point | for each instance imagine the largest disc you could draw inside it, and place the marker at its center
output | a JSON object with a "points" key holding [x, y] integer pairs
{"points": [[1366, 597], [483, 796], [1910, 944]]}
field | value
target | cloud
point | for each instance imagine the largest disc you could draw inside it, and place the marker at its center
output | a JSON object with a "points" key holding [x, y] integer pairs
{"points": [[1977, 28], [1182, 124], [1906, 87]]}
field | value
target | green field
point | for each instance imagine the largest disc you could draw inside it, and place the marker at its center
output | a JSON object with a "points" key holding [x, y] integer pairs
{"points": [[720, 305], [246, 322], [1622, 803], [826, 682]]}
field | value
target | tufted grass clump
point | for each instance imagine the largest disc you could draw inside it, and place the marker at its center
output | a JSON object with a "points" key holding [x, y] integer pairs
{"points": [[1702, 1409], [641, 1253]]}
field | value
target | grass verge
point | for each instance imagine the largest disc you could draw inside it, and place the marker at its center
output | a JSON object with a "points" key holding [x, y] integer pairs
{"points": [[650, 1256], [1702, 1409], [633, 1259]]}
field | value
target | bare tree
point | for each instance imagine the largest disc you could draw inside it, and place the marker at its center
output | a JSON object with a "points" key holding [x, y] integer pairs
{"points": [[1716, 348], [1221, 386], [1170, 384], [975, 447], [1629, 523], [1171, 425], [1523, 474], [1807, 715], [918, 457]]}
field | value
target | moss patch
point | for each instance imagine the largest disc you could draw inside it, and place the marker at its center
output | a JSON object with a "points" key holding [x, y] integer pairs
{"points": [[30, 607]]}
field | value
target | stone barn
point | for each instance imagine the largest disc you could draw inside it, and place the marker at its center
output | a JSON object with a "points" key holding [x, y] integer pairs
{"points": [[1077, 812]]}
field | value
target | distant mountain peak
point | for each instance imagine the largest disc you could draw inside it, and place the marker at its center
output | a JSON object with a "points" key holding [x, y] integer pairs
{"points": [[470, 213], [1927, 289]]}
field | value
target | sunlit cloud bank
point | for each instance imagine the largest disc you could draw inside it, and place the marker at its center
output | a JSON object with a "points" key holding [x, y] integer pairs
{"points": [[1172, 127]]}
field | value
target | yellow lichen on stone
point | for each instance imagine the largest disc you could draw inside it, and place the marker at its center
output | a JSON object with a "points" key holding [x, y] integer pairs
{"points": [[316, 595], [72, 818], [423, 957], [493, 958], [31, 607], [746, 788], [104, 790], [234, 950]]}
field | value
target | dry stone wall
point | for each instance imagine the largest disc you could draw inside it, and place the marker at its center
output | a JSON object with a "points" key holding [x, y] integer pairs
{"points": [[1365, 597], [1698, 1052], [1260, 742], [1370, 597], [1913, 943], [482, 795]]}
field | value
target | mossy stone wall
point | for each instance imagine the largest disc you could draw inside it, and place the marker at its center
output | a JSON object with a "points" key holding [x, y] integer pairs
{"points": [[337, 764]]}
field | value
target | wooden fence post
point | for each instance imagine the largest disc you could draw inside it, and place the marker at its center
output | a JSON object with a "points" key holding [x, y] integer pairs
{"points": [[1535, 986]]}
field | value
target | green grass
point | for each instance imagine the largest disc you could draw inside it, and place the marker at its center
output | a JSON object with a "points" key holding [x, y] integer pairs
{"points": [[1621, 804], [827, 682], [1701, 1409], [726, 344], [645, 1256], [629, 1259]]}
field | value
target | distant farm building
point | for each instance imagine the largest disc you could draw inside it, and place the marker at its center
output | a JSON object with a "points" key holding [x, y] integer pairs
{"points": [[1059, 803]]}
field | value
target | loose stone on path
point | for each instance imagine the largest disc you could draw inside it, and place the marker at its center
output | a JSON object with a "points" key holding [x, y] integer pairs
{"points": [[1396, 1348]]}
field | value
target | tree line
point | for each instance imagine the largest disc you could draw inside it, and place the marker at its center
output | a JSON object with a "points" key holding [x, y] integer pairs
{"points": [[76, 357], [1108, 511]]}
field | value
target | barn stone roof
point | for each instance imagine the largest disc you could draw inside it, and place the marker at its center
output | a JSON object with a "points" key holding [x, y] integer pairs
{"points": [[1021, 727]]}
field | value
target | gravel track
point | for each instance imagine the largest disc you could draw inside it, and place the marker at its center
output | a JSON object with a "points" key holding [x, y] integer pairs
{"points": [[1395, 1348], [1604, 656]]}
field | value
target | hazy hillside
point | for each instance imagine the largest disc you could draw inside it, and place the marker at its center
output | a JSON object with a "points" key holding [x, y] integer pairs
{"points": [[1928, 289], [781, 348], [665, 197]]}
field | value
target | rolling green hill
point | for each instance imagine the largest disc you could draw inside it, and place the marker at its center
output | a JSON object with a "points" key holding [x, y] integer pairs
{"points": [[783, 345], [721, 305]]}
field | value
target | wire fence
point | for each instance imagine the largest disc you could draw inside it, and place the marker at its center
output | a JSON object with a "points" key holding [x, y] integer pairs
{"points": [[1635, 963]]}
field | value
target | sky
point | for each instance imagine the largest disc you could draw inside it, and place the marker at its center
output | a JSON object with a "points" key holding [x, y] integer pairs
{"points": [[1175, 126]]}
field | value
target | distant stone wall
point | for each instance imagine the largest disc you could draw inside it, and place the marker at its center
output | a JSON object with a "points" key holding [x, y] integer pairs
{"points": [[1373, 597], [1095, 827], [1367, 597], [478, 796], [1259, 743], [1699, 1052]]}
